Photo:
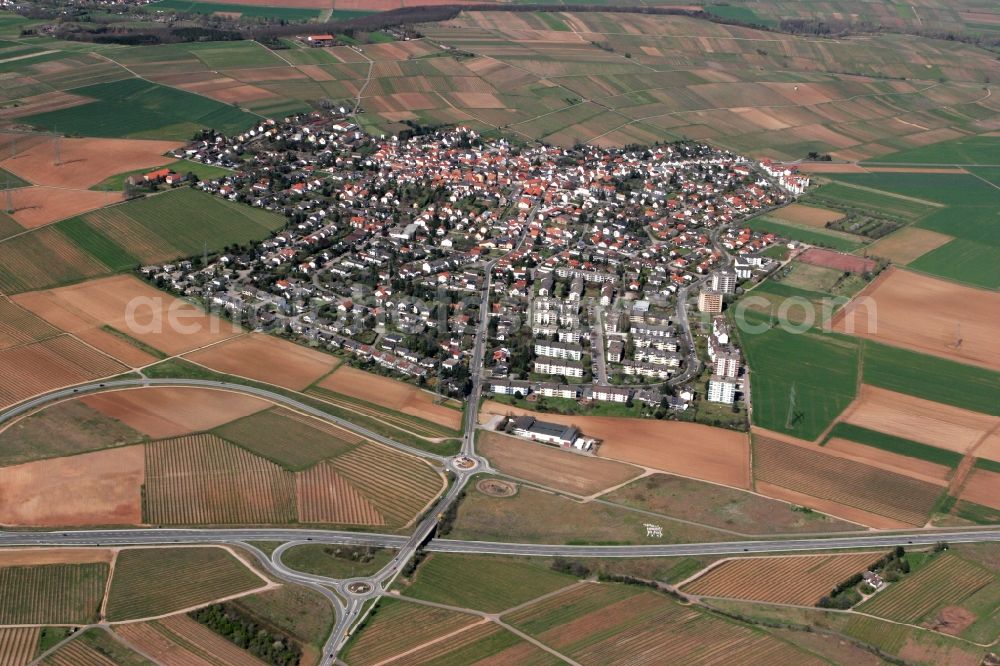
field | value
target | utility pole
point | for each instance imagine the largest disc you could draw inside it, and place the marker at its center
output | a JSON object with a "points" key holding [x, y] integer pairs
{"points": [[55, 145]]}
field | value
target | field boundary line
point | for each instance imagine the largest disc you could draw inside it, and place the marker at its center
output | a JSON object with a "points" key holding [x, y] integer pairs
{"points": [[646, 471], [537, 643], [547, 595], [127, 643], [72, 637], [102, 612], [434, 641]]}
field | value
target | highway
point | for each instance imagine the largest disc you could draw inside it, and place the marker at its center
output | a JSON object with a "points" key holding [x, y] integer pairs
{"points": [[159, 536]]}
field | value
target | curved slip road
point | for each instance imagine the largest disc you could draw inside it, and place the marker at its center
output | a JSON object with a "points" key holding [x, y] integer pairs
{"points": [[110, 385]]}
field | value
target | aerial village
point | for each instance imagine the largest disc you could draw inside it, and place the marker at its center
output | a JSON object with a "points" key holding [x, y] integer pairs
{"points": [[593, 258]]}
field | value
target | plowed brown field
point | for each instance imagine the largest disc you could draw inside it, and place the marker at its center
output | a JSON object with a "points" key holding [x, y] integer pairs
{"points": [[99, 488], [37, 206], [40, 367], [688, 449], [799, 580], [933, 423], [85, 162], [169, 412], [129, 305], [946, 312], [982, 487], [393, 394], [267, 359]]}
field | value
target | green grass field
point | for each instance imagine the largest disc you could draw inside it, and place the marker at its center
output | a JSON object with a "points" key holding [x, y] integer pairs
{"points": [[843, 197], [202, 171], [288, 441], [489, 584], [335, 561], [51, 593], [256, 11], [932, 378], [830, 239], [154, 581], [822, 367], [905, 447], [179, 223], [138, 108], [967, 150], [11, 181]]}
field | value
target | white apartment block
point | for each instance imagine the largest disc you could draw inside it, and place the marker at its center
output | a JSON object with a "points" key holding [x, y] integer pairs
{"points": [[569, 335], [547, 366], [657, 357], [722, 390], [563, 350], [610, 394], [646, 370], [551, 390], [542, 331]]}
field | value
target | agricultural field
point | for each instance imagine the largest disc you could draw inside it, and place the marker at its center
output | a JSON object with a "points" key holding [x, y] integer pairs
{"points": [[17, 645], [83, 163], [932, 378], [946, 581], [395, 396], [293, 440], [490, 584], [97, 488], [820, 236], [981, 488], [955, 320], [721, 456], [399, 486], [52, 593], [77, 653], [637, 625], [933, 424], [550, 467], [966, 151], [42, 259], [267, 358], [535, 516], [136, 108], [720, 507], [908, 244], [166, 411], [205, 480], [291, 13], [845, 488], [959, 205], [180, 640], [63, 429], [104, 643], [798, 580], [893, 444], [177, 223], [149, 582], [34, 207], [127, 305], [802, 382], [397, 627], [18, 326]]}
